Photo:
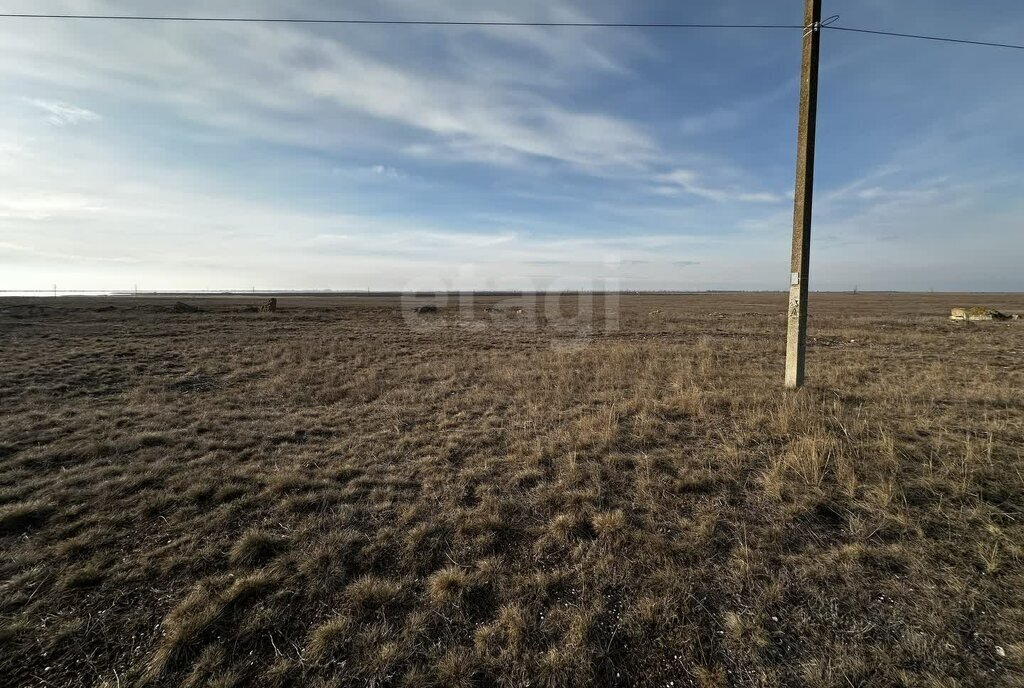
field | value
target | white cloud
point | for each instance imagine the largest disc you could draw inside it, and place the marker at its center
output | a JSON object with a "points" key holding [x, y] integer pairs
{"points": [[44, 205], [691, 182], [387, 171], [62, 114]]}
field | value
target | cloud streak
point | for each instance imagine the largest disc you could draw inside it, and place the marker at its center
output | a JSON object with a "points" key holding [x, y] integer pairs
{"points": [[476, 110], [690, 182], [62, 114]]}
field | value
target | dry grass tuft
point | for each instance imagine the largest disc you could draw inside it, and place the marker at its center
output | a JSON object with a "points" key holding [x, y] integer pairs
{"points": [[373, 593], [199, 614], [331, 638], [448, 585], [257, 547], [608, 523], [23, 515]]}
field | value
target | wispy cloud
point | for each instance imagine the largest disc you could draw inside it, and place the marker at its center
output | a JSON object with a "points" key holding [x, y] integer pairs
{"points": [[463, 109], [22, 252], [44, 205], [690, 182], [62, 114], [387, 171]]}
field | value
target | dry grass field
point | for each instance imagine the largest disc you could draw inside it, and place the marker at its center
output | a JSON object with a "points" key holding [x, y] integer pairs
{"points": [[338, 494]]}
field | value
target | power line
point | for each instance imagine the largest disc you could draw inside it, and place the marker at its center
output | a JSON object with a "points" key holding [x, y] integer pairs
{"points": [[495, 23], [403, 22], [942, 39]]}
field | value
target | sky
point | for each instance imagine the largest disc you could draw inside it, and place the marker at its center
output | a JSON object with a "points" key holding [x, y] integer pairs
{"points": [[174, 156]]}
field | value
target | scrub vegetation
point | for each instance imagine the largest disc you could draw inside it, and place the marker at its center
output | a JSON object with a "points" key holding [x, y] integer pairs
{"points": [[348, 493]]}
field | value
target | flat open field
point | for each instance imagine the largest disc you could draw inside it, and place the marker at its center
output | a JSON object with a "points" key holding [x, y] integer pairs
{"points": [[345, 494]]}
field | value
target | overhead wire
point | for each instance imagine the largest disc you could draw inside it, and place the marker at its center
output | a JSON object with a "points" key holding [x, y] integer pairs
{"points": [[403, 22], [500, 23], [943, 39]]}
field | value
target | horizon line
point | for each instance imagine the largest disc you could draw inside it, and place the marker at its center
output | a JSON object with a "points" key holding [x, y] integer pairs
{"points": [[28, 293]]}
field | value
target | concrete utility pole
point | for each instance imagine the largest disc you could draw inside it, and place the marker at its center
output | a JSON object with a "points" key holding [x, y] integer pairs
{"points": [[796, 337]]}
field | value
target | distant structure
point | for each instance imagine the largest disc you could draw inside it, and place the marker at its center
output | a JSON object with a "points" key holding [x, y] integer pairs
{"points": [[978, 313]]}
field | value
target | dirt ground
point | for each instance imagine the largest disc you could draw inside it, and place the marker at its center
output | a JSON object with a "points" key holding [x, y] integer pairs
{"points": [[507, 493]]}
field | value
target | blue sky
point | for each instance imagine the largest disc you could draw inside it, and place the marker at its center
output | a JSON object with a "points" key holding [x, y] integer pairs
{"points": [[214, 156]]}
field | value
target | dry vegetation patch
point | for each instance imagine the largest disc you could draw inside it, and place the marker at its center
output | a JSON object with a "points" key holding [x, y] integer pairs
{"points": [[328, 496]]}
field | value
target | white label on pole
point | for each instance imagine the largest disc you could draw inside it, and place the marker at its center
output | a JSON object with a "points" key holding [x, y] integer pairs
{"points": [[794, 279]]}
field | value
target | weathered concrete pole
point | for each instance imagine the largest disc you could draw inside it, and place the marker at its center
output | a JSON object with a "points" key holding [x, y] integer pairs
{"points": [[796, 337]]}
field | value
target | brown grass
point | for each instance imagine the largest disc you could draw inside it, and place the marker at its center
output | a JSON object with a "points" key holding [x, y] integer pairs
{"points": [[329, 496]]}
